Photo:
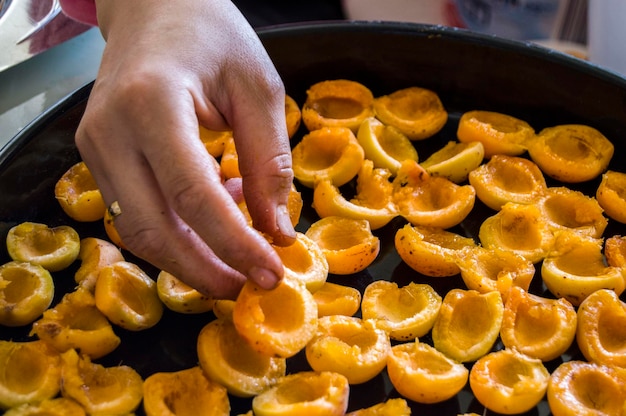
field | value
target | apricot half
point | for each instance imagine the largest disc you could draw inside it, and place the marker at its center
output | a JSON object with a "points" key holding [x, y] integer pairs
{"points": [[330, 152], [75, 322], [277, 322], [179, 297], [468, 324], [571, 153], [26, 291], [305, 393], [576, 268], [185, 392], [30, 373], [615, 251], [227, 358], [611, 195], [293, 116], [79, 195], [406, 312], [337, 103], [499, 133], [305, 261], [423, 374], [581, 388], [430, 251], [215, 141], [128, 296], [351, 346], [455, 160], [94, 255], [432, 201], [417, 112], [395, 407], [373, 200], [59, 406], [508, 179], [601, 331], [336, 299], [509, 382], [385, 145], [347, 244], [539, 327], [53, 248]]}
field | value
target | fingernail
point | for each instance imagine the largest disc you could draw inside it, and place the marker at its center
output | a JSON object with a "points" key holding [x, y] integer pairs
{"points": [[265, 278], [284, 222]]}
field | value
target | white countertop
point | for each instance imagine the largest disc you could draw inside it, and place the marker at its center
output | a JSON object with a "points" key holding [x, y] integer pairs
{"points": [[32, 87]]}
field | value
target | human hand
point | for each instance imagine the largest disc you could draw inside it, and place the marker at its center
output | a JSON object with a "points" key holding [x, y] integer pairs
{"points": [[166, 67]]}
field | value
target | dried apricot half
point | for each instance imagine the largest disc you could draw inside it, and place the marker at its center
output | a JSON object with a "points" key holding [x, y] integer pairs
{"points": [[305, 393], [99, 389], [305, 261], [184, 393], [601, 331], [432, 201], [348, 345], [94, 255], [576, 268], [26, 291], [581, 388], [179, 297], [508, 381], [406, 312], [128, 296], [336, 299], [347, 244], [79, 195], [53, 248], [430, 251], [455, 160], [337, 103], [468, 324], [417, 112], [500, 134], [277, 322], [372, 202], [330, 152], [227, 358], [571, 153], [611, 195], [385, 145], [423, 374], [539, 327], [75, 322], [30, 373], [508, 179]]}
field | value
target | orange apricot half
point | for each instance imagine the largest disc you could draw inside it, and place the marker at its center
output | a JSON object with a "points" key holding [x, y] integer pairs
{"points": [[615, 251], [423, 374], [336, 299], [395, 407], [305, 261], [94, 255], [179, 297], [293, 116], [215, 141], [611, 195], [601, 331], [79, 195], [509, 382], [58, 406]]}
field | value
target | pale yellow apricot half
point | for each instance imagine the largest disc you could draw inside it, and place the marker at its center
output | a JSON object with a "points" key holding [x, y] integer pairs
{"points": [[455, 161], [385, 145]]}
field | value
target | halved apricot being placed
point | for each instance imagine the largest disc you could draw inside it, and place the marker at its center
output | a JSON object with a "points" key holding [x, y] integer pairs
{"points": [[30, 373], [576, 268], [53, 248], [509, 382], [432, 201], [455, 160], [337, 103], [26, 291], [468, 324], [571, 153], [335, 299], [328, 153], [179, 297], [430, 251], [611, 195], [385, 145], [79, 195], [76, 323], [406, 312], [537, 326], [601, 331], [128, 296], [182, 393], [305, 393], [227, 358], [305, 261], [423, 374], [500, 134], [347, 244], [94, 255], [582, 388], [417, 112], [508, 179], [351, 346], [372, 202], [277, 322]]}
